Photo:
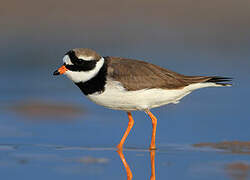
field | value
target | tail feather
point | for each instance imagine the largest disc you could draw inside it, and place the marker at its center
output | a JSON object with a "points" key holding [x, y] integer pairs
{"points": [[218, 80]]}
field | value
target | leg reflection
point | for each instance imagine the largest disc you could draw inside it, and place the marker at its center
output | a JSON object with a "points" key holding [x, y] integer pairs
{"points": [[128, 171], [152, 157]]}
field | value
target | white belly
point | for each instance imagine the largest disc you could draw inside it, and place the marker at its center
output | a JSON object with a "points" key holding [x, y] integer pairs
{"points": [[116, 97]]}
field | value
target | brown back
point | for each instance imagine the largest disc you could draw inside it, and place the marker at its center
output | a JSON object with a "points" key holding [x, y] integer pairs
{"points": [[136, 75]]}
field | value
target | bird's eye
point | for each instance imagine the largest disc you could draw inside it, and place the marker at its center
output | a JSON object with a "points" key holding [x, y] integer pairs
{"points": [[80, 61]]}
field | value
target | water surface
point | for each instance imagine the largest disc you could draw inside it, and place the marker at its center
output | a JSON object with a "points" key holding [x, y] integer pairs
{"points": [[48, 129]]}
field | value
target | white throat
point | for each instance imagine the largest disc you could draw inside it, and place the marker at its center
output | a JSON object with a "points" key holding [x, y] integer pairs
{"points": [[84, 76]]}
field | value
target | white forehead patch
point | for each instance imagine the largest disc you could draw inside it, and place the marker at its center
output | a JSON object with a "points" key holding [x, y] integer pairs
{"points": [[87, 58], [67, 60]]}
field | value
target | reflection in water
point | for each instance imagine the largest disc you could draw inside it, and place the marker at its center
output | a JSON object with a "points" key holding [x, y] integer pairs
{"points": [[238, 170], [128, 170], [235, 147], [152, 157]]}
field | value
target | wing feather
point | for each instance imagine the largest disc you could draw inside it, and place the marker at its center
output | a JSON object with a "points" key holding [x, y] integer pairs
{"points": [[136, 75]]}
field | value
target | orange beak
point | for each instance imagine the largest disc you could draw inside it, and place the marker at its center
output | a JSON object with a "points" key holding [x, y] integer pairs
{"points": [[60, 71]]}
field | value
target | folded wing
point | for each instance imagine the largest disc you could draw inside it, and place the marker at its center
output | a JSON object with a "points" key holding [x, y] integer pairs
{"points": [[137, 75]]}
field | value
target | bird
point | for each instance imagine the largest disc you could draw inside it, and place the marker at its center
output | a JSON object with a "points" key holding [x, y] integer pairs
{"points": [[129, 84]]}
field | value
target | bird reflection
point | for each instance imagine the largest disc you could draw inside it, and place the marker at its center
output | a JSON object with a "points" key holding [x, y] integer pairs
{"points": [[128, 170], [152, 158]]}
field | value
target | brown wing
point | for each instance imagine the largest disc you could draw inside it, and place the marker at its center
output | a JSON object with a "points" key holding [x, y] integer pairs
{"points": [[136, 75]]}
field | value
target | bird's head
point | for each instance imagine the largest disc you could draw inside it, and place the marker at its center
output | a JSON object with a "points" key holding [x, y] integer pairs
{"points": [[80, 65]]}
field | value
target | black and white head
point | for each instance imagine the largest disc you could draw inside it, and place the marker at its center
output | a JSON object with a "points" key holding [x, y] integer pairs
{"points": [[80, 65]]}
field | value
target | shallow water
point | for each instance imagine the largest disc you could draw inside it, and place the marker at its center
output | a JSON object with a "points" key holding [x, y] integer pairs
{"points": [[48, 129], [47, 161]]}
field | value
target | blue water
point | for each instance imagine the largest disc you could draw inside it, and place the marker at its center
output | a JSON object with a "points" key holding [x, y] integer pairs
{"points": [[207, 38], [50, 161], [83, 146]]}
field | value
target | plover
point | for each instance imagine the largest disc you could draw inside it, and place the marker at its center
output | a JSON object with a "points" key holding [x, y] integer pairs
{"points": [[130, 85]]}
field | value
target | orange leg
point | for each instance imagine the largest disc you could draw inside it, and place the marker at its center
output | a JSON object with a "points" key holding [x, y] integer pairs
{"points": [[154, 124], [128, 171], [152, 157], [130, 125]]}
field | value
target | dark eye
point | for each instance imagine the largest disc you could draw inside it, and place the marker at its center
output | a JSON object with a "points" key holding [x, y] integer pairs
{"points": [[79, 62]]}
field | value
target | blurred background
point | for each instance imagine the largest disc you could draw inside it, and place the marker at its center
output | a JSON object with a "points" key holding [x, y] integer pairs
{"points": [[39, 112]]}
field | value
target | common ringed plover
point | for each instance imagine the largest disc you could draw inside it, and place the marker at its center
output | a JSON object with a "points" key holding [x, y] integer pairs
{"points": [[129, 85]]}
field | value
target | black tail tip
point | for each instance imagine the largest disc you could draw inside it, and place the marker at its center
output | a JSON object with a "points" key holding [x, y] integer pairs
{"points": [[223, 81]]}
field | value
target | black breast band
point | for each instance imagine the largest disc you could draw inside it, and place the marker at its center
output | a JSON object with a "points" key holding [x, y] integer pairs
{"points": [[95, 84]]}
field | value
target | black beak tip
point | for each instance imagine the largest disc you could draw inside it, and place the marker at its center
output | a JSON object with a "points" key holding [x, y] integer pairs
{"points": [[56, 73]]}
